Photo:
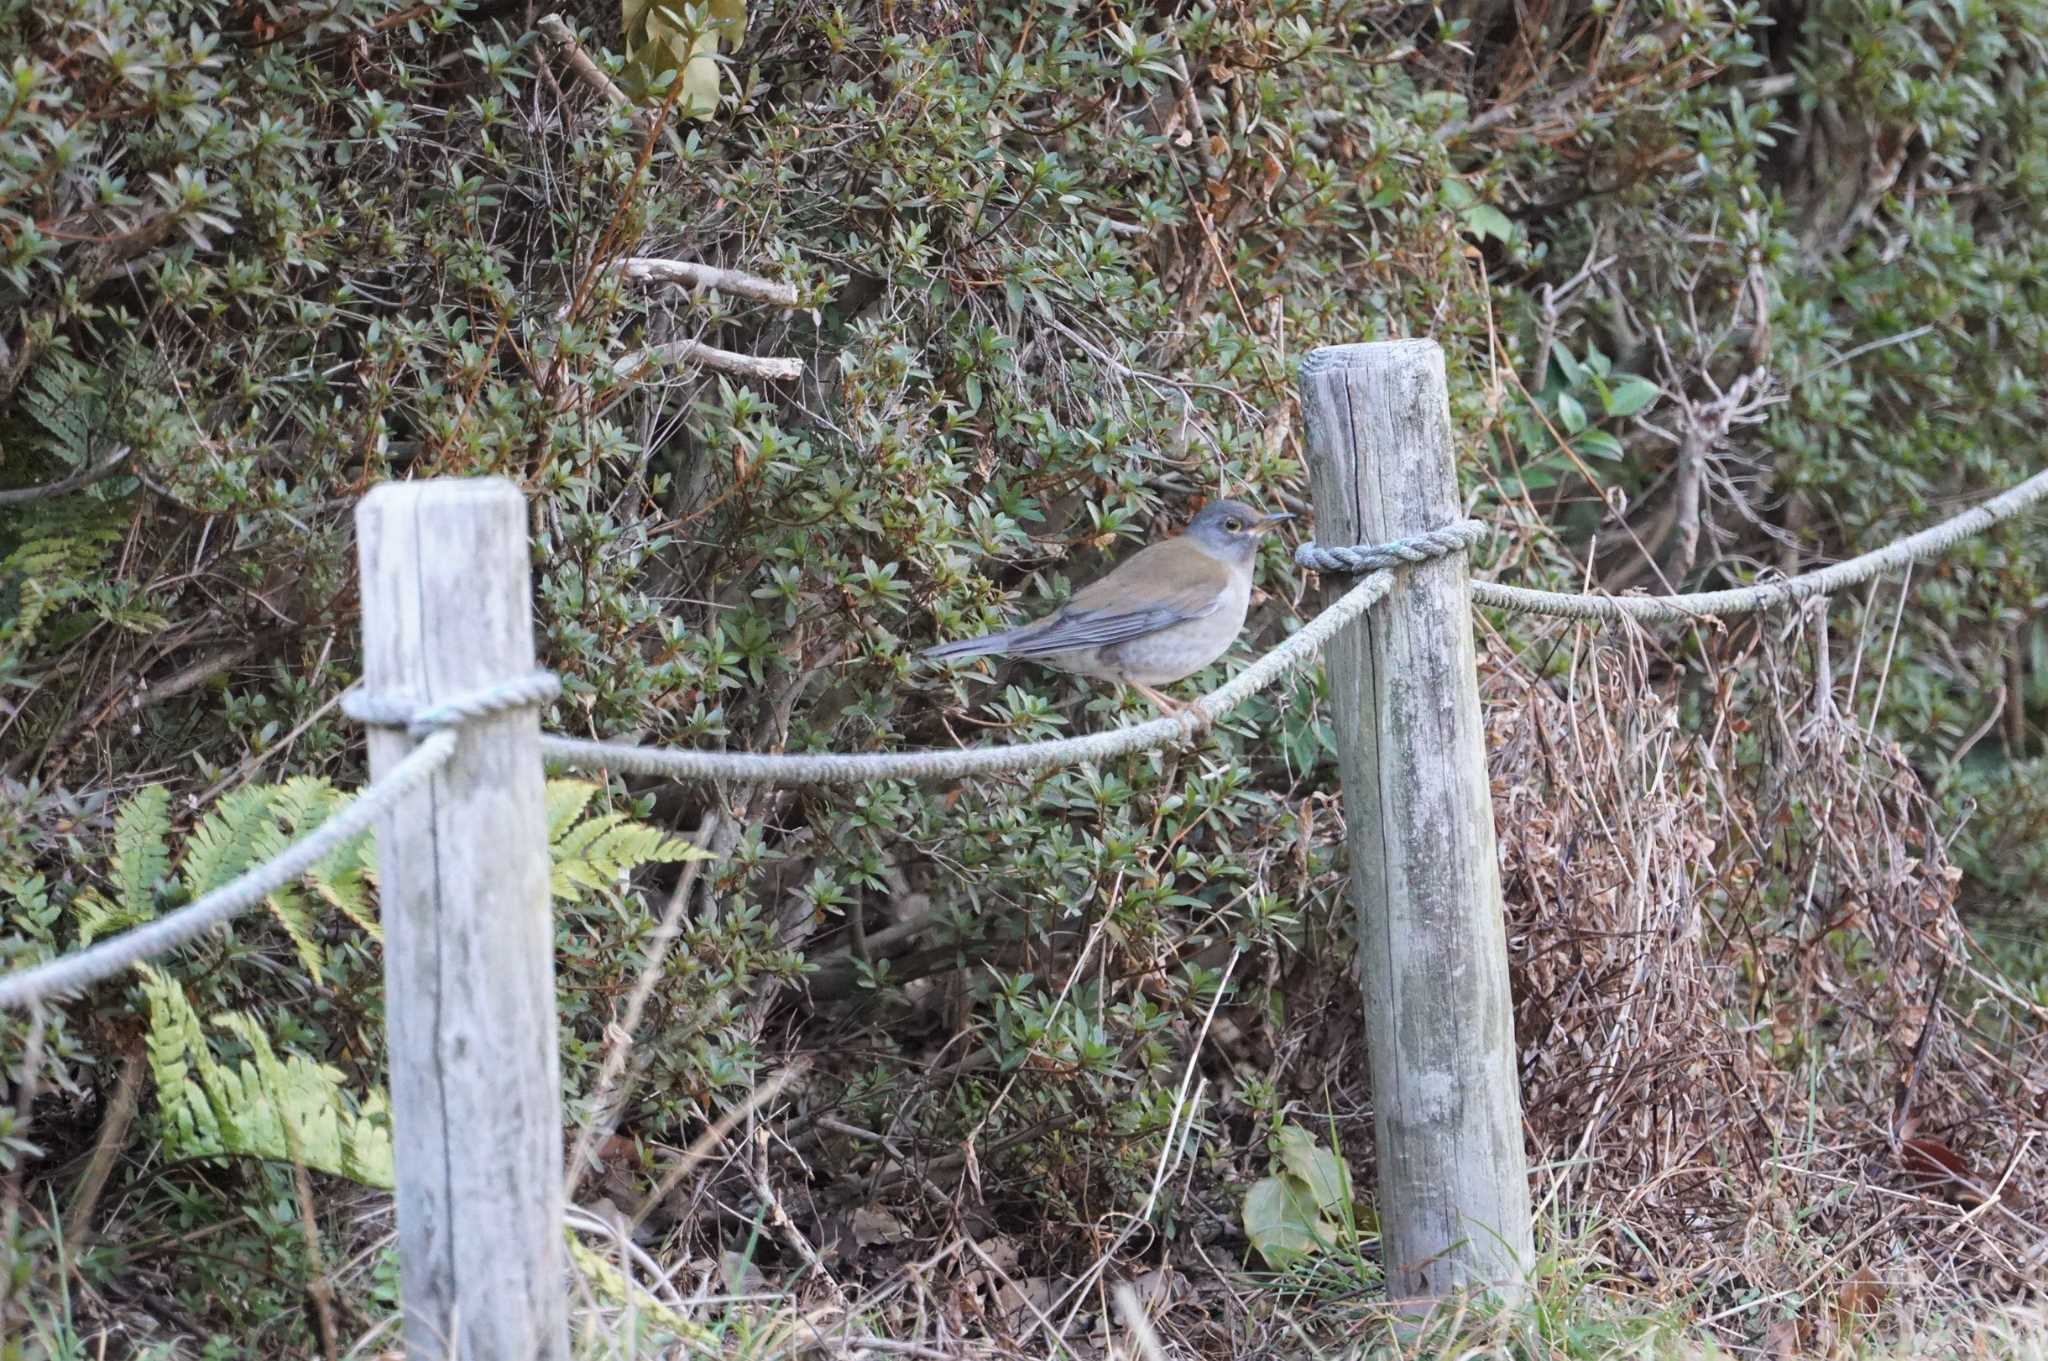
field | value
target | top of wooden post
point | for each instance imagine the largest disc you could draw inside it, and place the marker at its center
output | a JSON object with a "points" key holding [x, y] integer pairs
{"points": [[1372, 354], [441, 491]]}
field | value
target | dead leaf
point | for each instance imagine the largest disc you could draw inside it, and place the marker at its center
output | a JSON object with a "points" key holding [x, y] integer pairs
{"points": [[871, 1226], [1859, 1297], [1940, 1168]]}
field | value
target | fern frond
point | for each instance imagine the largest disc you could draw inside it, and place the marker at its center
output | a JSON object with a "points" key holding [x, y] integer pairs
{"points": [[96, 917], [278, 1109], [67, 399], [592, 857], [566, 800], [289, 908], [56, 564], [142, 860], [224, 843], [176, 1045]]}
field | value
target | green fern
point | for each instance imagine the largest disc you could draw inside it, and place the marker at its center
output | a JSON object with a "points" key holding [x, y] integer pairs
{"points": [[592, 857], [658, 1322], [224, 843], [56, 565], [290, 1108], [141, 859], [141, 862], [66, 399], [293, 809], [282, 1110]]}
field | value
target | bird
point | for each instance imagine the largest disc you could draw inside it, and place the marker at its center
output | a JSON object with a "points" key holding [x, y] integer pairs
{"points": [[1159, 616]]}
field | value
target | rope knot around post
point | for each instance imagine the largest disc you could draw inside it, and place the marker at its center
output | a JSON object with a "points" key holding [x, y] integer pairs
{"points": [[1436, 543], [420, 721]]}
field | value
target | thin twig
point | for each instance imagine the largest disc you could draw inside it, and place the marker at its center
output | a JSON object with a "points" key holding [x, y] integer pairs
{"points": [[700, 1147], [604, 1113], [318, 1287]]}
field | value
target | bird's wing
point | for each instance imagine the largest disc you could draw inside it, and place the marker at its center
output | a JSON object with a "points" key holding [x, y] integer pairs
{"points": [[1129, 602]]}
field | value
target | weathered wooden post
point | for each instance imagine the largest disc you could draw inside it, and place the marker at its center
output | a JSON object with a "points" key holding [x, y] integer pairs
{"points": [[1404, 691], [469, 978]]}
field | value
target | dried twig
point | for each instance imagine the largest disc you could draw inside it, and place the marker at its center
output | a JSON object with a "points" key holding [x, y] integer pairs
{"points": [[708, 356], [106, 1148], [604, 1113], [690, 274], [700, 1149]]}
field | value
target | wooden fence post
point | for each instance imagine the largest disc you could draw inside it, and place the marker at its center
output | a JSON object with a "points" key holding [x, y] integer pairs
{"points": [[1404, 692], [469, 981]]}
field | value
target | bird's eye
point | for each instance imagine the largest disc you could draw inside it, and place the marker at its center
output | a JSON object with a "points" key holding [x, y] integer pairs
{"points": [[1233, 524]]}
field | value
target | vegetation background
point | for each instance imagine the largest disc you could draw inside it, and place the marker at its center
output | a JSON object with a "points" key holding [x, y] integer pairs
{"points": [[1725, 287]]}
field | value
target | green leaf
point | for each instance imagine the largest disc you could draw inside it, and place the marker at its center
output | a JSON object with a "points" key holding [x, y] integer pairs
{"points": [[1484, 220], [278, 1109], [1568, 364], [679, 41], [1323, 1171], [1282, 1222], [1571, 413], [1631, 395], [592, 857]]}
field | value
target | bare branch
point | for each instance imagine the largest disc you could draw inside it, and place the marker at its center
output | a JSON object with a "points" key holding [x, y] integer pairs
{"points": [[767, 370], [21, 496], [690, 274], [588, 71]]}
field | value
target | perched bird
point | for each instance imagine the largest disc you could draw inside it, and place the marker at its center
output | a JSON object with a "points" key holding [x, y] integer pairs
{"points": [[1161, 615]]}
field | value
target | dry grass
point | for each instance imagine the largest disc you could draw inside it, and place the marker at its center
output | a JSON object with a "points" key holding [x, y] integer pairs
{"points": [[1762, 1064]]}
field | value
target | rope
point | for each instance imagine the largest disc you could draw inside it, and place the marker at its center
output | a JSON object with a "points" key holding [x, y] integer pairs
{"points": [[1749, 599], [386, 711], [433, 724], [81, 969], [834, 768], [1377, 557]]}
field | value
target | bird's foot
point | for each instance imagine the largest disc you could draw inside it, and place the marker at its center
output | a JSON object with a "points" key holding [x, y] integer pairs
{"points": [[1166, 706]]}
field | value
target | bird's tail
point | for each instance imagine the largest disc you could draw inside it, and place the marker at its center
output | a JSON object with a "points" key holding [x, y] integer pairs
{"points": [[988, 645]]}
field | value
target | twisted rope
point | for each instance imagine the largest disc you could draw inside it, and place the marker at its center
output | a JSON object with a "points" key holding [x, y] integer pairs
{"points": [[833, 768], [387, 711], [433, 725], [1927, 543], [81, 969], [1401, 552]]}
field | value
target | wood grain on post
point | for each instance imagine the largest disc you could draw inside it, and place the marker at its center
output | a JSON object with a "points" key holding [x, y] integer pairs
{"points": [[1404, 691], [469, 992]]}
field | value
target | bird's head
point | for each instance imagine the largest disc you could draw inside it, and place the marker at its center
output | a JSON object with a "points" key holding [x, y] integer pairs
{"points": [[1230, 529]]}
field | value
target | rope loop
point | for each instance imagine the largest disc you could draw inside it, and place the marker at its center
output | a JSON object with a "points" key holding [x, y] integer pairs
{"points": [[386, 711], [1437, 543]]}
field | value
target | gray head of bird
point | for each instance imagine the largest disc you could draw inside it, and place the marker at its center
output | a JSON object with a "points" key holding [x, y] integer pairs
{"points": [[1230, 530]]}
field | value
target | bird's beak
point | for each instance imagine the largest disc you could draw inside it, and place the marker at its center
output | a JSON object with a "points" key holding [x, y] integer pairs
{"points": [[1271, 520]]}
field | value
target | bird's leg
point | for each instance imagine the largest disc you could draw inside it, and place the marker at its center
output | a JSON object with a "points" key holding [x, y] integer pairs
{"points": [[1166, 706]]}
